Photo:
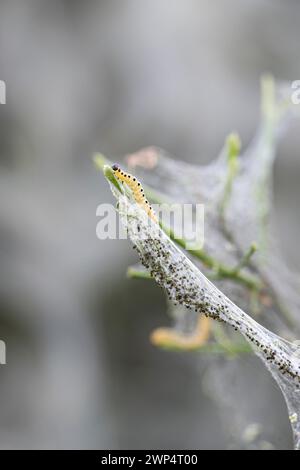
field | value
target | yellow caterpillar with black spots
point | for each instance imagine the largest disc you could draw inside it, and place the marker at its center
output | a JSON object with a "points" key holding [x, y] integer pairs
{"points": [[137, 190]]}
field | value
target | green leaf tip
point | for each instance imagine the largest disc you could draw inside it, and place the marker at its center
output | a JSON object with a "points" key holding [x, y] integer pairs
{"points": [[253, 247], [99, 161], [136, 272], [268, 96], [102, 163], [110, 176], [233, 144]]}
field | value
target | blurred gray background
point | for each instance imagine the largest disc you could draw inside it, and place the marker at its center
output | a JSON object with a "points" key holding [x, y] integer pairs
{"points": [[115, 76]]}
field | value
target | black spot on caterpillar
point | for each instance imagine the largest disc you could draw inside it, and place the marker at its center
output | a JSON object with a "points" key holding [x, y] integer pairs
{"points": [[137, 190]]}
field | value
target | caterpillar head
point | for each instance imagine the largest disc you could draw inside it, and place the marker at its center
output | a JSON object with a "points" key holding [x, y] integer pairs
{"points": [[115, 167]]}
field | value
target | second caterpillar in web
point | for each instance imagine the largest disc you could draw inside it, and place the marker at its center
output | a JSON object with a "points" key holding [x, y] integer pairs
{"points": [[137, 190]]}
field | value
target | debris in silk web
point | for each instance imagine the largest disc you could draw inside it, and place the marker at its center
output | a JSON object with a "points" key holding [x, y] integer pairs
{"points": [[185, 284]]}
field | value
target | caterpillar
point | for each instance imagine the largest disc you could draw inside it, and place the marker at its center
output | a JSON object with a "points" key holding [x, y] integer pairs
{"points": [[137, 190], [170, 338]]}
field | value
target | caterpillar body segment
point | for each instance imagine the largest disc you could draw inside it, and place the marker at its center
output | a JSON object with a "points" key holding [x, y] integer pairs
{"points": [[137, 190]]}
